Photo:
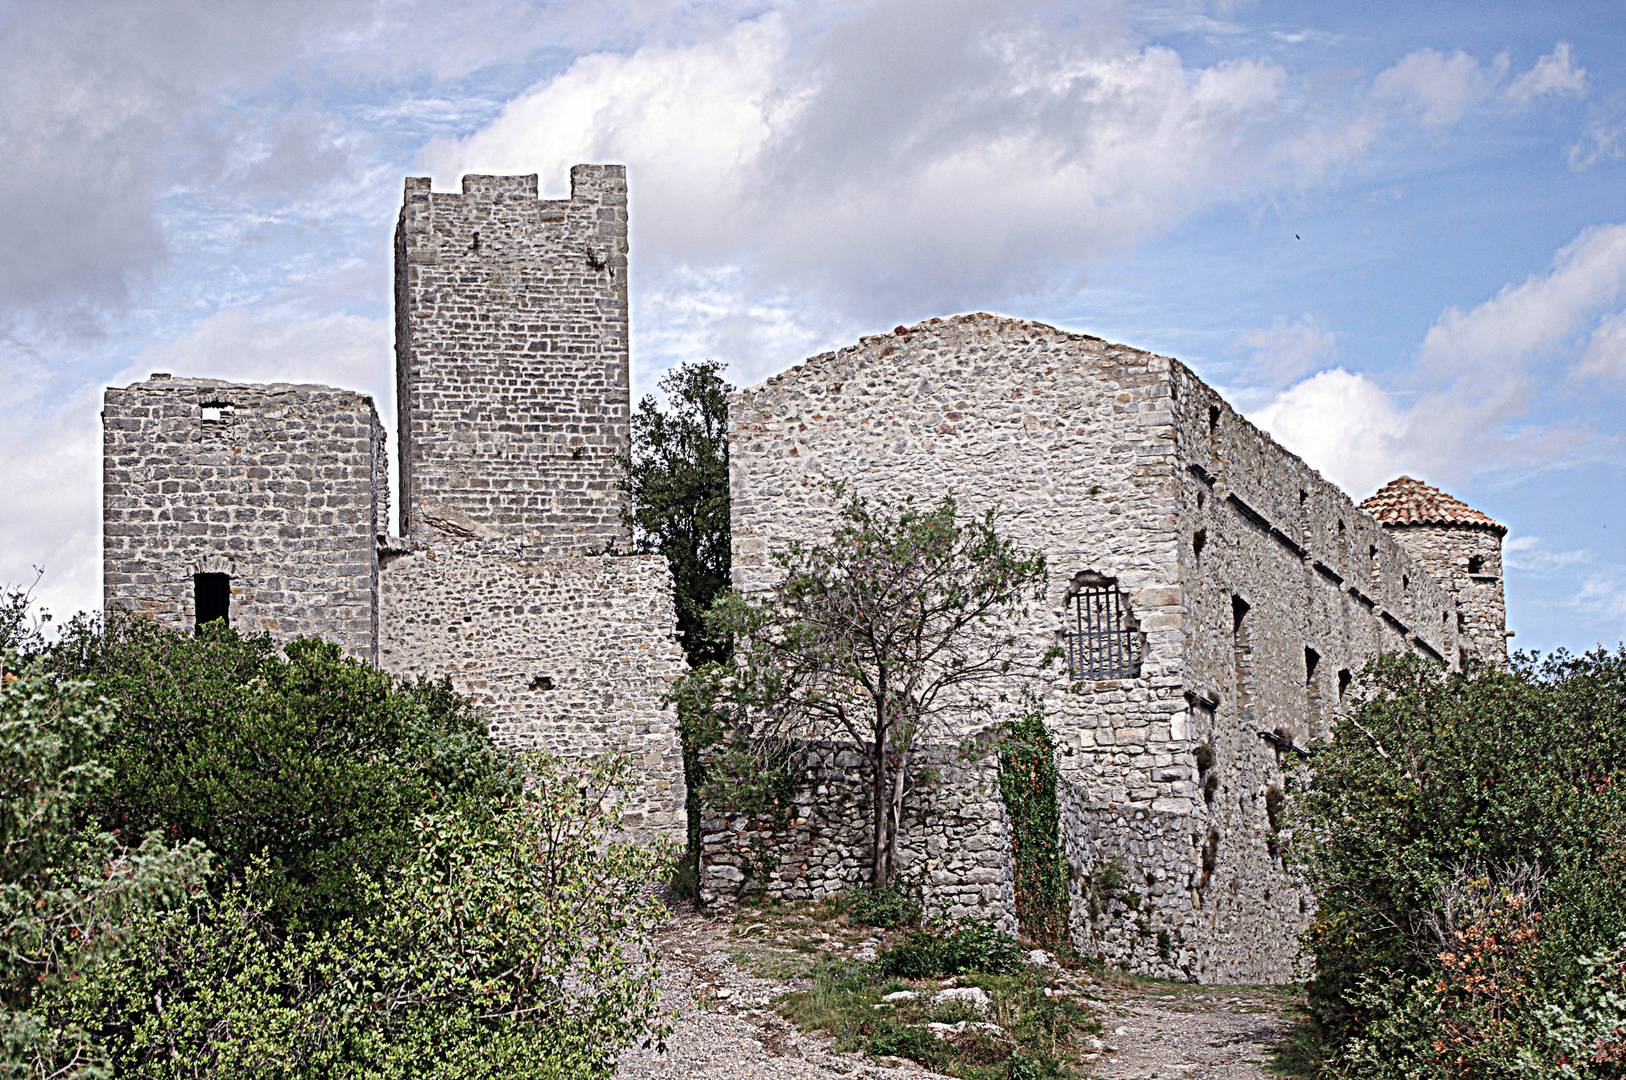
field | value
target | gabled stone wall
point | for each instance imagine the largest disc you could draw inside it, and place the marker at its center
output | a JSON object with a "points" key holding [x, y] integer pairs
{"points": [[511, 359], [277, 490]]}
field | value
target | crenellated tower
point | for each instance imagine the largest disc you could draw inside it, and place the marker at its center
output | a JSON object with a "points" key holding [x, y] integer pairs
{"points": [[512, 360], [1463, 549]]}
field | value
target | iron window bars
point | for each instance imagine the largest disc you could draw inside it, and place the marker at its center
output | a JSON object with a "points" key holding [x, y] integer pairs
{"points": [[1100, 643]]}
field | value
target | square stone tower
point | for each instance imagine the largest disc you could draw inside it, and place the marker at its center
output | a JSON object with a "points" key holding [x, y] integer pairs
{"points": [[511, 360], [256, 504]]}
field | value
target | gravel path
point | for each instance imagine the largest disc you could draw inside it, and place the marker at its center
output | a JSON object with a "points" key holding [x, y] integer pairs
{"points": [[1192, 1032], [725, 1026]]}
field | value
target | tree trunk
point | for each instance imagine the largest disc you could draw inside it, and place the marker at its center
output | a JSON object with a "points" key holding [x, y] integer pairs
{"points": [[880, 789], [894, 817]]}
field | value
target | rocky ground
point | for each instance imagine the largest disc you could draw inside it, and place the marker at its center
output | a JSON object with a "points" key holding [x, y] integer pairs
{"points": [[721, 977]]}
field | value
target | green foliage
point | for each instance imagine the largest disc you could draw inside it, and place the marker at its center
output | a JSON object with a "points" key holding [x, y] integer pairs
{"points": [[1035, 1037], [70, 898], [957, 948], [676, 478], [889, 907], [1027, 781], [882, 635], [511, 944], [1466, 840], [315, 761]]}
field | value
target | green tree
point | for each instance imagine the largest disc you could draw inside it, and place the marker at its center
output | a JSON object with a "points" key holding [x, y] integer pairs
{"points": [[886, 635], [1465, 837], [315, 761], [512, 944], [676, 477], [70, 897]]}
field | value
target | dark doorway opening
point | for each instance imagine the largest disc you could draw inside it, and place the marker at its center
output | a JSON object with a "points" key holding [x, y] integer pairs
{"points": [[211, 597]]}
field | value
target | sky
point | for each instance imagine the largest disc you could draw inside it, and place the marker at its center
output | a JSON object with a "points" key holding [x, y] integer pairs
{"points": [[1394, 235]]}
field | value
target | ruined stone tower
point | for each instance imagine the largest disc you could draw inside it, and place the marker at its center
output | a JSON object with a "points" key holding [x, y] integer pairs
{"points": [[256, 504], [1463, 549], [511, 359]]}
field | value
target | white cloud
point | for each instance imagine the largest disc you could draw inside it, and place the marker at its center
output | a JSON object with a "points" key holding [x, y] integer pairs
{"points": [[1545, 312], [1439, 88], [1555, 73], [1344, 425], [1286, 350], [1605, 355]]}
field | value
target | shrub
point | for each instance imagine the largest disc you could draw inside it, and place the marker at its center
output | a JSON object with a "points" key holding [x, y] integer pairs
{"points": [[70, 899], [1465, 836], [512, 944], [888, 907], [962, 946], [1027, 782], [315, 761]]}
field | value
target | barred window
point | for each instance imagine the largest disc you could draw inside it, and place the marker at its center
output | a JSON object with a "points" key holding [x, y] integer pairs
{"points": [[1102, 634]]}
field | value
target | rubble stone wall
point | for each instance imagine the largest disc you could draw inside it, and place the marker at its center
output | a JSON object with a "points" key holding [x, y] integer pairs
{"points": [[277, 489], [569, 654], [1113, 460], [955, 840], [511, 359], [1467, 559]]}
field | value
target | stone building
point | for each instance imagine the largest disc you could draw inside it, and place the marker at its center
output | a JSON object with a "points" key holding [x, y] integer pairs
{"points": [[268, 505], [1213, 593], [1215, 596]]}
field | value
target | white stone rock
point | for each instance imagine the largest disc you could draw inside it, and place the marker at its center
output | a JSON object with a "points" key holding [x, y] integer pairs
{"points": [[968, 995]]}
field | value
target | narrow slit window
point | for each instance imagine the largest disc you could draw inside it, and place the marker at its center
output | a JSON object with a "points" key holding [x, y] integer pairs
{"points": [[1311, 659], [1476, 564], [211, 598], [1198, 541], [1101, 640]]}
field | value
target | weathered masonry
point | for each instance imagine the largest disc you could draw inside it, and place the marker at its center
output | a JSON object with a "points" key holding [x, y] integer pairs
{"points": [[1213, 592], [268, 506]]}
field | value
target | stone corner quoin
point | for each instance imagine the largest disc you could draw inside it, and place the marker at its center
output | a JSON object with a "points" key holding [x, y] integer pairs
{"points": [[1214, 593]]}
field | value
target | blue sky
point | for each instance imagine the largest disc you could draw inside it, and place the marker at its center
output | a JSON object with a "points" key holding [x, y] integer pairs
{"points": [[1394, 235]]}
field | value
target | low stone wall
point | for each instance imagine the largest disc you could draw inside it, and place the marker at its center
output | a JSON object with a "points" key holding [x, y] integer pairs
{"points": [[956, 837], [569, 654]]}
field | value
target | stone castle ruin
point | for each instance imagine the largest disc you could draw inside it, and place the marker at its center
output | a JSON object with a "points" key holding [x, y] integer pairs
{"points": [[1213, 593]]}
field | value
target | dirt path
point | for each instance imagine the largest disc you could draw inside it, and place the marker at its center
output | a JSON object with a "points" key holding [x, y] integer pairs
{"points": [[1192, 1032], [726, 1027]]}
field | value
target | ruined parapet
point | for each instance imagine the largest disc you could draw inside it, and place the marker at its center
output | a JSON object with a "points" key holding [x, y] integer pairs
{"points": [[1462, 548], [570, 655], [511, 359], [254, 503]]}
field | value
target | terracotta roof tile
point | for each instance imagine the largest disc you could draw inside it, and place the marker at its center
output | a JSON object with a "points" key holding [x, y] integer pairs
{"points": [[1404, 501]]}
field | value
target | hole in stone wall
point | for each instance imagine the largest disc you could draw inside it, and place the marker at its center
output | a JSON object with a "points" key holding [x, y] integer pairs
{"points": [[1405, 582], [1210, 857], [1199, 500], [1476, 564], [1311, 659], [211, 598], [217, 412], [1340, 528], [1198, 541], [1304, 496], [1239, 612], [1213, 416], [1344, 679], [541, 682], [476, 246]]}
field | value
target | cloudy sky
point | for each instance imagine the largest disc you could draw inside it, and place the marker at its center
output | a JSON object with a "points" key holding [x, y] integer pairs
{"points": [[1393, 234]]}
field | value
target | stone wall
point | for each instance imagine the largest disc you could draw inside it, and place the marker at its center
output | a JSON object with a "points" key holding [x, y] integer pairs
{"points": [[511, 359], [955, 840], [1467, 560], [1120, 465], [568, 654], [276, 488]]}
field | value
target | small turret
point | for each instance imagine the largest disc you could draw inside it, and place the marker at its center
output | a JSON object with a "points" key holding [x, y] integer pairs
{"points": [[1463, 549]]}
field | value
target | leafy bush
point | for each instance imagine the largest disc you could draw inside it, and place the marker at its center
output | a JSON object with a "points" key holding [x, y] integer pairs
{"points": [[1466, 840], [510, 944], [71, 899], [315, 761], [888, 907], [962, 946]]}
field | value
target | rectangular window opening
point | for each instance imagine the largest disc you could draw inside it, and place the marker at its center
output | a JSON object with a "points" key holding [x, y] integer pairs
{"points": [[211, 598], [1101, 641]]}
